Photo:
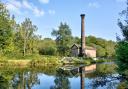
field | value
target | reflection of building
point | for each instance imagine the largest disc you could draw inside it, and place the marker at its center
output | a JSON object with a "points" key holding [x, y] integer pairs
{"points": [[81, 69], [90, 68], [83, 50]]}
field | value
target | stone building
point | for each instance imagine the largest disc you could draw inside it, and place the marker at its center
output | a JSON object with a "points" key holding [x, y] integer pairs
{"points": [[89, 51], [82, 49]]}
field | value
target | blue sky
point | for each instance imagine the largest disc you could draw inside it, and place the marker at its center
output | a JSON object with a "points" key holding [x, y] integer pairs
{"points": [[100, 21]]}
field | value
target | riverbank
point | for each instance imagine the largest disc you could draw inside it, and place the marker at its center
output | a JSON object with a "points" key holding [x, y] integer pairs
{"points": [[43, 60], [30, 60]]}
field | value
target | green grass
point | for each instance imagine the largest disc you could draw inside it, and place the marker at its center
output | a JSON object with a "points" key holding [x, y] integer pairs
{"points": [[101, 60], [41, 60], [30, 60]]}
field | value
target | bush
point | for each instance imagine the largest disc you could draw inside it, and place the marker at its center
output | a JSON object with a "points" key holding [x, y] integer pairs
{"points": [[48, 51], [122, 58], [87, 62], [45, 60]]}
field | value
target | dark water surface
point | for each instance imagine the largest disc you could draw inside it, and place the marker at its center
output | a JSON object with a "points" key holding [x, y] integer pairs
{"points": [[96, 76]]}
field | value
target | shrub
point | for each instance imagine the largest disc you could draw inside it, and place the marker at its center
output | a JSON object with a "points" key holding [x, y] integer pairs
{"points": [[122, 57]]}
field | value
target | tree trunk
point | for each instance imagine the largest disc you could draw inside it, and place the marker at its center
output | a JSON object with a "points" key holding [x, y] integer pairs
{"points": [[24, 47]]}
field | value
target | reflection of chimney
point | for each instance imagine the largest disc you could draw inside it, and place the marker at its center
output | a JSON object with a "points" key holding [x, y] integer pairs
{"points": [[82, 35], [82, 73]]}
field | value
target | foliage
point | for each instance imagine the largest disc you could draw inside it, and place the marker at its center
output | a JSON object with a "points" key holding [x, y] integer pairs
{"points": [[103, 47], [27, 36], [122, 46], [63, 39], [16, 38], [6, 39], [100, 51], [122, 57], [47, 46], [45, 60], [101, 60]]}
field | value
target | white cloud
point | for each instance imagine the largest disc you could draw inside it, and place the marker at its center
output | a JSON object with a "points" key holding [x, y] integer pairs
{"points": [[18, 6], [11, 7], [44, 1], [38, 12], [15, 3], [14, 6], [51, 12], [94, 5], [26, 4]]}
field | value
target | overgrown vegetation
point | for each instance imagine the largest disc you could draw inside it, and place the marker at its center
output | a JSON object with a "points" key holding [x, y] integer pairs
{"points": [[122, 48]]}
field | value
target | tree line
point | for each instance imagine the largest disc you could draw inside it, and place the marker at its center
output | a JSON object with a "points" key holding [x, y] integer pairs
{"points": [[64, 41], [20, 39], [16, 38]]}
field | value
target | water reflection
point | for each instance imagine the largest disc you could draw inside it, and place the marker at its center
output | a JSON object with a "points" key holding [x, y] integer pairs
{"points": [[61, 80], [25, 80], [66, 71], [100, 76], [82, 75], [4, 84]]}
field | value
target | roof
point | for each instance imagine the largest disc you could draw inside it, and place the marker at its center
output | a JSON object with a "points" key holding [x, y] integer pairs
{"points": [[78, 46], [86, 47]]}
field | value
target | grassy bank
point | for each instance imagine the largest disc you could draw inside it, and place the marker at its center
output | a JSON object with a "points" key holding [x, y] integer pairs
{"points": [[30, 60], [40, 60]]}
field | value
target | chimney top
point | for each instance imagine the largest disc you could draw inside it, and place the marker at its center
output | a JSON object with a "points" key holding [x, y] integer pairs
{"points": [[82, 15]]}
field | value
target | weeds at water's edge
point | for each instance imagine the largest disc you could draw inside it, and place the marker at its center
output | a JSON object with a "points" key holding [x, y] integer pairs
{"points": [[38, 60]]}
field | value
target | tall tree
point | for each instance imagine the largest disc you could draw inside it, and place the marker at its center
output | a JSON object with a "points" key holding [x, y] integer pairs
{"points": [[5, 30], [122, 46], [63, 39], [27, 30]]}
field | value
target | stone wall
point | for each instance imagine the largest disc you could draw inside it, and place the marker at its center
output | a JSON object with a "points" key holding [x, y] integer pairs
{"points": [[90, 53]]}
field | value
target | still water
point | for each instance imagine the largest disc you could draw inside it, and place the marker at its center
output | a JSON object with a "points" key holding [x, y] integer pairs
{"points": [[96, 76]]}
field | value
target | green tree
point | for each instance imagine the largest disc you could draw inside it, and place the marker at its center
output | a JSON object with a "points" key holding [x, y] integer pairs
{"points": [[63, 39], [47, 46], [110, 49], [6, 35], [100, 52], [122, 46], [27, 36], [122, 57], [90, 39], [104, 48], [76, 40]]}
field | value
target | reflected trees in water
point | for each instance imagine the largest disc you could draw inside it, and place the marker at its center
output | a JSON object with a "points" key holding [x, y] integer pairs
{"points": [[61, 80], [4, 83], [105, 75], [25, 80]]}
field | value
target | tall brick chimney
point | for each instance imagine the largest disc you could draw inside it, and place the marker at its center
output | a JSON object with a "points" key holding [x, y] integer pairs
{"points": [[82, 53]]}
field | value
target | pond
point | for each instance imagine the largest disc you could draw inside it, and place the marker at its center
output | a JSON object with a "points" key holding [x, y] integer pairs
{"points": [[96, 76]]}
